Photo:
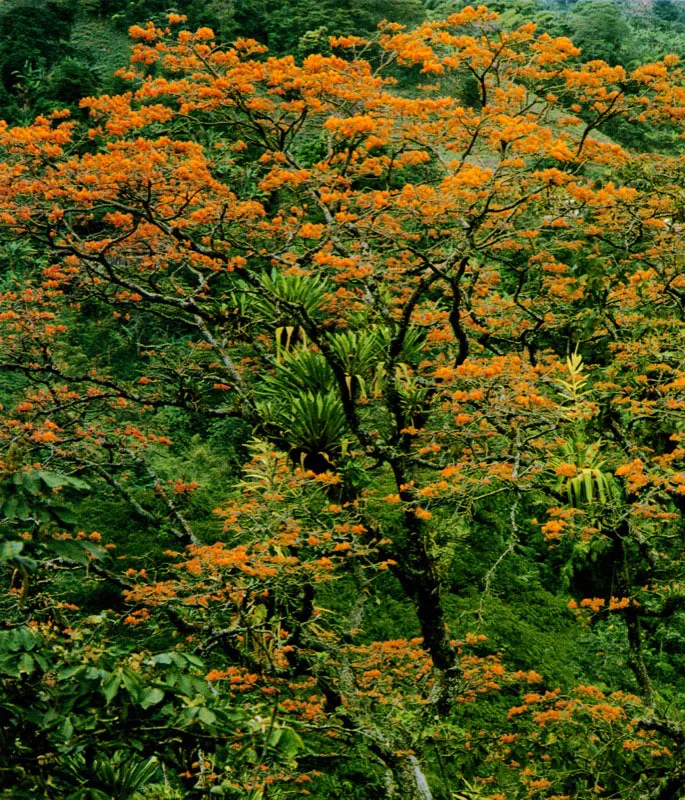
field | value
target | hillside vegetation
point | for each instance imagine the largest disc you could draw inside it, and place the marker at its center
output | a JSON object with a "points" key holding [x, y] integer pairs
{"points": [[342, 400]]}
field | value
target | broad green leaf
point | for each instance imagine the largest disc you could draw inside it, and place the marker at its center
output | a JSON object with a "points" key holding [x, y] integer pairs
{"points": [[111, 686], [9, 550], [26, 663], [66, 729], [151, 698]]}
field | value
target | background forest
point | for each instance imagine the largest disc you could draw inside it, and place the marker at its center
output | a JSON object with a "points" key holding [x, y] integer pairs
{"points": [[54, 52], [342, 400]]}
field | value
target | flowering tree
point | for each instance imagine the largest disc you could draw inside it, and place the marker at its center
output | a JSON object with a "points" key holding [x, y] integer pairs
{"points": [[420, 309]]}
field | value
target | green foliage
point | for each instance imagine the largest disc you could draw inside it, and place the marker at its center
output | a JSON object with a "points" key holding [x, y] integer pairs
{"points": [[90, 701], [117, 777], [32, 35], [600, 30], [70, 80], [297, 26], [29, 494]]}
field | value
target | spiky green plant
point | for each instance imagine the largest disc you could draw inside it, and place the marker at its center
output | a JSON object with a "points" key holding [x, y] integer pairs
{"points": [[591, 483]]}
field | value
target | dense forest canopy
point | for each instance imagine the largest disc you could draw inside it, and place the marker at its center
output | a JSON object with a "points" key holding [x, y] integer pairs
{"points": [[54, 52], [342, 400]]}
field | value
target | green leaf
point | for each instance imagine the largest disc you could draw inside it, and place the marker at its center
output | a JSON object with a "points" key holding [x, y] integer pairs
{"points": [[54, 480], [28, 638], [65, 515], [133, 684], [286, 742], [72, 549], [69, 672], [66, 730], [111, 686], [151, 698], [94, 550], [26, 663], [9, 550], [29, 480], [207, 716], [194, 660], [9, 509]]}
